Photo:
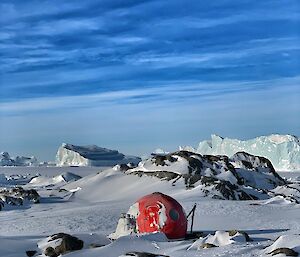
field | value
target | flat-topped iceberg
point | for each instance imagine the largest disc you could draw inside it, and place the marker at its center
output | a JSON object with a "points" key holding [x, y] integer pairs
{"points": [[91, 155], [282, 150]]}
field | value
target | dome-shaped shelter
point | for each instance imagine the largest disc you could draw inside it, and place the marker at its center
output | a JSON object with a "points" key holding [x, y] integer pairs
{"points": [[160, 212]]}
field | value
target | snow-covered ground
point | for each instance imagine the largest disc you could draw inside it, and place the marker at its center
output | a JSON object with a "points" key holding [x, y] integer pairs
{"points": [[94, 203]]}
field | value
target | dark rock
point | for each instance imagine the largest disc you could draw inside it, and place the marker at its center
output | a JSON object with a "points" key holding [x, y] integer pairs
{"points": [[30, 253], [95, 245], [144, 254], [68, 244], [234, 232], [207, 245], [50, 252], [286, 251], [208, 171]]}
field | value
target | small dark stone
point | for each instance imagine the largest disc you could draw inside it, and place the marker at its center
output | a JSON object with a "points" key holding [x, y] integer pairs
{"points": [[30, 253], [95, 245], [233, 232], [144, 254], [286, 251], [207, 245]]}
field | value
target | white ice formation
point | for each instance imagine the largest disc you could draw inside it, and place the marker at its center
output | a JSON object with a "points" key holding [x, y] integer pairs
{"points": [[91, 155], [282, 150], [7, 160]]}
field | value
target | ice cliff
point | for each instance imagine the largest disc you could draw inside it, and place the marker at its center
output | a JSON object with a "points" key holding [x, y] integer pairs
{"points": [[282, 150], [7, 160], [91, 155]]}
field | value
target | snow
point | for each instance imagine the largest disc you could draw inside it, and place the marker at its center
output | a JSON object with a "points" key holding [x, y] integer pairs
{"points": [[91, 155], [96, 208], [220, 238], [59, 179], [285, 241], [282, 150]]}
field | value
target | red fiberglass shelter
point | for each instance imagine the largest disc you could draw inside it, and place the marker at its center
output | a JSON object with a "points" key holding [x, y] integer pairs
{"points": [[159, 212]]}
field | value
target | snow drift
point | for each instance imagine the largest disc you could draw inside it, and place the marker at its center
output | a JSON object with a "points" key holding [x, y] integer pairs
{"points": [[91, 155], [282, 150]]}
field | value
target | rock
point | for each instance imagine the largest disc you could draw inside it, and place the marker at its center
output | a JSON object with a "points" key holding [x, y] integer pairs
{"points": [[67, 244], [30, 253], [286, 251], [234, 232], [242, 177], [207, 245], [16, 195], [144, 254], [95, 245], [50, 252]]}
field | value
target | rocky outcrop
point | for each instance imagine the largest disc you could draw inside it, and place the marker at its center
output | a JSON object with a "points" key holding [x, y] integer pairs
{"points": [[242, 177], [64, 243], [17, 195], [92, 155]]}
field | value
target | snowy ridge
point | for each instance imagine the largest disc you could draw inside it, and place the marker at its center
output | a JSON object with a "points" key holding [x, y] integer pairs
{"points": [[282, 150], [91, 155]]}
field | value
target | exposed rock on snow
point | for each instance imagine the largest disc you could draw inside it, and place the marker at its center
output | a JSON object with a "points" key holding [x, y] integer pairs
{"points": [[17, 196], [220, 238], [242, 177], [60, 243], [92, 155], [7, 160], [282, 150], [286, 245], [142, 254]]}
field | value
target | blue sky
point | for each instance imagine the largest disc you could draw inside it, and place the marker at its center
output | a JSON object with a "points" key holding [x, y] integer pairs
{"points": [[137, 75]]}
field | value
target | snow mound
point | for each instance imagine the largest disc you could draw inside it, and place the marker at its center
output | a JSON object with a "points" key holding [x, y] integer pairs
{"points": [[220, 238], [284, 244], [91, 155], [278, 200], [59, 179], [7, 160], [282, 150]]}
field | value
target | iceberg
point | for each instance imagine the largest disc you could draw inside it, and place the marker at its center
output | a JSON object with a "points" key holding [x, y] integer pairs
{"points": [[282, 150], [91, 155], [7, 160]]}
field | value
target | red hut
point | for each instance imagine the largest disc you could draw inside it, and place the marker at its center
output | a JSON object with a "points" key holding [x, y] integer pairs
{"points": [[159, 212]]}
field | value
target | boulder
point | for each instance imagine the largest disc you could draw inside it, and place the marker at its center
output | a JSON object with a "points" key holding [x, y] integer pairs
{"points": [[63, 243]]}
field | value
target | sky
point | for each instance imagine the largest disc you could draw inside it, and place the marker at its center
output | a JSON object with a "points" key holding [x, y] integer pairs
{"points": [[139, 75]]}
